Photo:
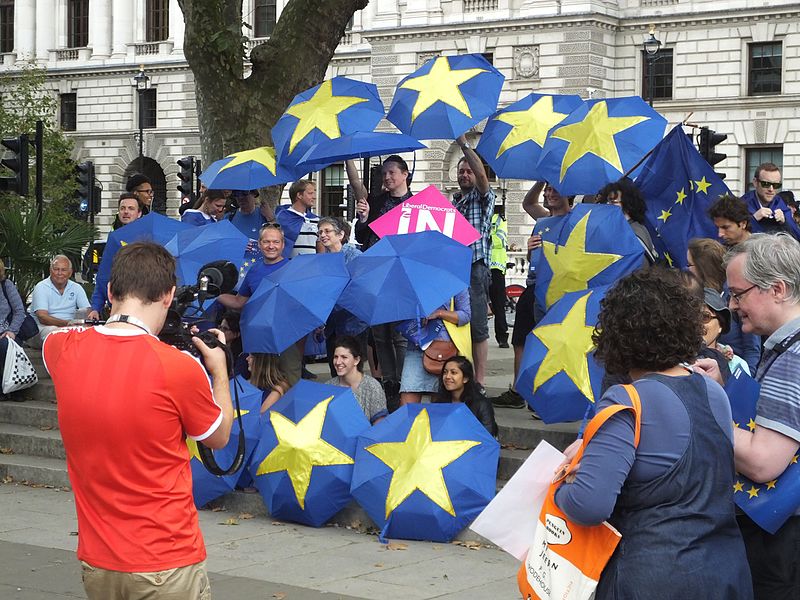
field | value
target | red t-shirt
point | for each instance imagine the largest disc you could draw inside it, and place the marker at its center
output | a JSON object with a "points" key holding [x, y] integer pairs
{"points": [[126, 401]]}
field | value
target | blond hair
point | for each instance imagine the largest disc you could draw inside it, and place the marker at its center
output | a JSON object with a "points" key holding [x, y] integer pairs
{"points": [[266, 373]]}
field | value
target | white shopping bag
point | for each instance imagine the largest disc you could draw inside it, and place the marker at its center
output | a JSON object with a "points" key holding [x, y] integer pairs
{"points": [[18, 372]]}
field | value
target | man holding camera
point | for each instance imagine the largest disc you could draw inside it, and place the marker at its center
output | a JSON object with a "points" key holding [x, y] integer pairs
{"points": [[125, 435]]}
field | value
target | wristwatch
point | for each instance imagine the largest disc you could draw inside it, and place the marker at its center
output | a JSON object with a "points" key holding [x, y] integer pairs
{"points": [[466, 145]]}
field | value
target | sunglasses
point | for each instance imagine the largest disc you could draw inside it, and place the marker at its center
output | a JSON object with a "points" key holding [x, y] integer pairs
{"points": [[768, 184], [708, 317], [271, 225]]}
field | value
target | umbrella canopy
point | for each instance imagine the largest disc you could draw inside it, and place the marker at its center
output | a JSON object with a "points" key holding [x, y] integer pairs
{"points": [[304, 462], [514, 137], [591, 246], [598, 143], [336, 107], [446, 96], [558, 375], [361, 144], [425, 471], [207, 487], [197, 246], [246, 170], [406, 277], [293, 301]]}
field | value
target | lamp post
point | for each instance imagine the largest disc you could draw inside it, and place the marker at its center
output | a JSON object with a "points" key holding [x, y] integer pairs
{"points": [[651, 47], [141, 82]]}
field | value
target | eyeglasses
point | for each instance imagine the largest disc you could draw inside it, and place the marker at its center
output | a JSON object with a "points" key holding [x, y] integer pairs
{"points": [[739, 295], [708, 317], [775, 185], [271, 225]]}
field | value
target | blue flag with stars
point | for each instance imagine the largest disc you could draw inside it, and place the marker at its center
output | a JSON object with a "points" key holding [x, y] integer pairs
{"points": [[678, 186], [769, 504]]}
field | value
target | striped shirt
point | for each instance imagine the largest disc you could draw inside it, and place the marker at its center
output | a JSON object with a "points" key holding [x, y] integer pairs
{"points": [[778, 405]]}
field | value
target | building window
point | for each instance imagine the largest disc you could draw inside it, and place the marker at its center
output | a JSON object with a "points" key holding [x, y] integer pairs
{"points": [[148, 107], [758, 156], [265, 17], [77, 23], [489, 56], [6, 25], [662, 75], [765, 69], [69, 112], [157, 20], [332, 184]]}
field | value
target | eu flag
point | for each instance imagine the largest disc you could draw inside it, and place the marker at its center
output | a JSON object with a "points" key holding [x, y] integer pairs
{"points": [[678, 186], [768, 504]]}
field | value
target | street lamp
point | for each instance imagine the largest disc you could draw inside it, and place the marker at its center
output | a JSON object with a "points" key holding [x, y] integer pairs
{"points": [[141, 82], [651, 47]]}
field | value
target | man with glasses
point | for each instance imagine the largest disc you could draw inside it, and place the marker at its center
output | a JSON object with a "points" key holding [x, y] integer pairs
{"points": [[769, 211], [140, 185]]}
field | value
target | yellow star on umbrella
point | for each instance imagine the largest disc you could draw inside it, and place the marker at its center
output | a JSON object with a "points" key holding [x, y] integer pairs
{"points": [[417, 463], [594, 135], [440, 84], [321, 111], [568, 344], [531, 124], [572, 265], [301, 448], [702, 185], [265, 156]]}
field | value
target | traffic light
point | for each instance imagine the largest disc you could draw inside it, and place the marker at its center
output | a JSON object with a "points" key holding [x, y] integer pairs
{"points": [[186, 177], [17, 163], [707, 140], [86, 188]]}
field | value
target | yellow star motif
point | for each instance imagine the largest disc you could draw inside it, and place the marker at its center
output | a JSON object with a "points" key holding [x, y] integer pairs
{"points": [[668, 258], [568, 344], [703, 185], [738, 487], [753, 491], [691, 185], [594, 135], [572, 265], [771, 484], [681, 196], [440, 84], [417, 464], [321, 111], [193, 451], [735, 424], [531, 124], [665, 214], [751, 425], [301, 448], [265, 156], [794, 460]]}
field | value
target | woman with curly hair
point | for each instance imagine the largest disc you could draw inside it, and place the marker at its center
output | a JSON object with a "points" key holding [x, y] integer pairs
{"points": [[670, 497]]}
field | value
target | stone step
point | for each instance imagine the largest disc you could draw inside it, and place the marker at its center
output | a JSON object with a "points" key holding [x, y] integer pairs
{"points": [[518, 429], [34, 469], [36, 413], [31, 441]]}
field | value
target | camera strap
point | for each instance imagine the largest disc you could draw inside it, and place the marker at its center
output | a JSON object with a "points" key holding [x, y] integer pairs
{"points": [[130, 320]]}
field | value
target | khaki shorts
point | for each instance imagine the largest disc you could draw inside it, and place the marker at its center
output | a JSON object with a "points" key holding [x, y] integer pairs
{"points": [[183, 583]]}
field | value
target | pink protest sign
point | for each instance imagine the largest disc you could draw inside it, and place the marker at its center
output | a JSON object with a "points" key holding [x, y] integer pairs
{"points": [[427, 210]]}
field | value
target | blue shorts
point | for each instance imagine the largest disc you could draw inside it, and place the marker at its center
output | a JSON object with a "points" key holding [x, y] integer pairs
{"points": [[415, 378]]}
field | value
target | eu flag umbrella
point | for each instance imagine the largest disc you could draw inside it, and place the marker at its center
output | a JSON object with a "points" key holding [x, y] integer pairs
{"points": [[558, 376], [336, 107], [514, 137], [197, 246], [425, 471], [205, 486], [246, 170], [304, 462], [406, 277], [293, 301], [445, 97], [361, 144], [591, 246], [598, 143]]}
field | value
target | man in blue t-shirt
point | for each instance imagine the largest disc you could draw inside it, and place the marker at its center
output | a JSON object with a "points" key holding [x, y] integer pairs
{"points": [[248, 217]]}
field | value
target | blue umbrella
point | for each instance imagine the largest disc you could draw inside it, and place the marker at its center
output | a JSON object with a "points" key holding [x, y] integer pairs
{"points": [[197, 246], [292, 302], [598, 143], [361, 144], [514, 137], [445, 97], [304, 462], [558, 375], [207, 487], [336, 107], [425, 471], [406, 277], [246, 170]]}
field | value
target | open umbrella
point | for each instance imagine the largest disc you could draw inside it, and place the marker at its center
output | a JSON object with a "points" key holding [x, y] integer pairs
{"points": [[514, 137], [406, 277], [558, 375], [336, 107], [197, 246], [360, 144], [246, 170], [303, 464], [292, 302], [445, 97], [207, 487], [425, 471], [598, 143]]}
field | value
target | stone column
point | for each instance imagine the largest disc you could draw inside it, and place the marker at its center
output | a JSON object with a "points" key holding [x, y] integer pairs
{"points": [[25, 29], [100, 29], [46, 17], [122, 26], [176, 26]]}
